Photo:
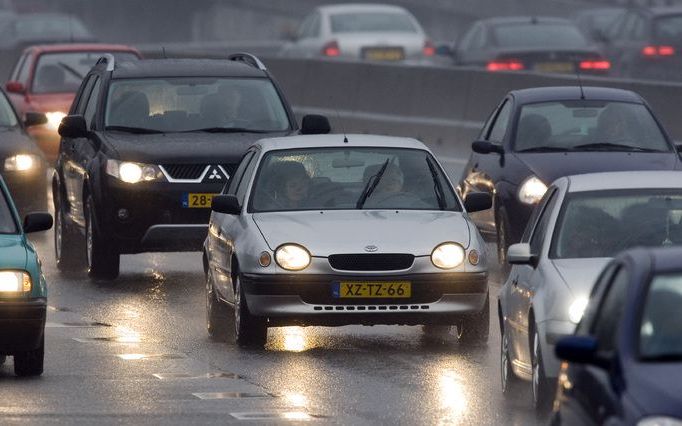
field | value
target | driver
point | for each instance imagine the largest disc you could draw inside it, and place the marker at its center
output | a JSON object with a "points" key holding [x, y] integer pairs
{"points": [[291, 183], [614, 124]]}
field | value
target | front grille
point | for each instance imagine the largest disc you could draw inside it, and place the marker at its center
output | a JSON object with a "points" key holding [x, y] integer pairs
{"points": [[184, 171], [371, 262]]}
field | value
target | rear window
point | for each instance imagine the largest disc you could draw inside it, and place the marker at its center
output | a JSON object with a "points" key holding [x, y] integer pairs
{"points": [[364, 22], [539, 35], [668, 29]]}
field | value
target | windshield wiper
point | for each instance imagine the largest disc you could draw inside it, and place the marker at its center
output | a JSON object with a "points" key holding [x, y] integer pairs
{"points": [[546, 149], [438, 188], [371, 185], [71, 70], [226, 130], [608, 146], [131, 129]]}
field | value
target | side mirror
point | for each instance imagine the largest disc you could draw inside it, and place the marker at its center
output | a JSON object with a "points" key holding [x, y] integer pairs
{"points": [[478, 201], [227, 204], [485, 147], [581, 350], [36, 222], [444, 50], [314, 124], [15, 87], [519, 254], [34, 119], [73, 126]]}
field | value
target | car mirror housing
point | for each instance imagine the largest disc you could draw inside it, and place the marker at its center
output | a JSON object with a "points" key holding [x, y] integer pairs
{"points": [[313, 124], [581, 350], [478, 201], [73, 126], [520, 254], [34, 119], [486, 147], [227, 204], [15, 87], [36, 222]]}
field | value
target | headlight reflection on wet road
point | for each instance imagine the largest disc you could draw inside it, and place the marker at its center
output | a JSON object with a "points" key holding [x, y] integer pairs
{"points": [[452, 397]]}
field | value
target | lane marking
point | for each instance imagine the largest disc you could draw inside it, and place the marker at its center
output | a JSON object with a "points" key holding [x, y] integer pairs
{"points": [[300, 416], [230, 395], [137, 357], [219, 375]]}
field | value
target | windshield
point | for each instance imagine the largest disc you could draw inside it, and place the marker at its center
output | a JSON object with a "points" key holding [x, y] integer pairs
{"points": [[668, 29], [7, 116], [197, 103], [539, 35], [660, 331], [363, 22], [351, 178], [63, 72], [7, 223], [601, 224], [588, 125]]}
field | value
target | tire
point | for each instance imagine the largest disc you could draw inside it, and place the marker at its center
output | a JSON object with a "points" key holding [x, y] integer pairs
{"points": [[103, 261], [249, 331], [473, 329], [510, 383], [542, 391], [217, 314], [67, 244], [503, 243], [30, 363]]}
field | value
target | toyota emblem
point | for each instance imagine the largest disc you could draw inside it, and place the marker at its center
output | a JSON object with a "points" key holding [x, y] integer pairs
{"points": [[371, 249]]}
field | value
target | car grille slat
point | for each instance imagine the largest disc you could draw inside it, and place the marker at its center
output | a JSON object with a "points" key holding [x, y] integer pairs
{"points": [[371, 262], [184, 171]]}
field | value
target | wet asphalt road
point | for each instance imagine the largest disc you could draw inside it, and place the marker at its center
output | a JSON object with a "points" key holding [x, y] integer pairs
{"points": [[135, 350]]}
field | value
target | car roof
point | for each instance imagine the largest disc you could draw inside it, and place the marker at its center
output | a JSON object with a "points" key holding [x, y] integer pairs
{"points": [[502, 20], [624, 180], [336, 141], [568, 93], [81, 47], [360, 7], [664, 10], [184, 68]]}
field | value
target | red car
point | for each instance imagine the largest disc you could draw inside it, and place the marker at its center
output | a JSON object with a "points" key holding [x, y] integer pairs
{"points": [[45, 79]]}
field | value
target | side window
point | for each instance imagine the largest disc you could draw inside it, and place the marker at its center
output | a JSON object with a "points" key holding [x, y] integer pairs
{"points": [[639, 28], [304, 28], [25, 70], [237, 176], [499, 128], [469, 37], [244, 184], [17, 68], [82, 96], [616, 27], [610, 310], [91, 107], [540, 231], [479, 40], [537, 211], [314, 29]]}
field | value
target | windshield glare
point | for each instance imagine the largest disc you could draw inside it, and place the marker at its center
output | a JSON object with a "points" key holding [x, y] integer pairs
{"points": [[660, 331], [579, 125], [539, 35], [332, 179], [188, 104], [372, 22], [601, 224]]}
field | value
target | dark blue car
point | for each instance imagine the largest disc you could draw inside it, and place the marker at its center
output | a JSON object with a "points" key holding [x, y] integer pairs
{"points": [[624, 363]]}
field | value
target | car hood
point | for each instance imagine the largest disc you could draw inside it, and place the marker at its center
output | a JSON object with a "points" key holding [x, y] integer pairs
{"points": [[12, 252], [655, 387], [580, 274], [196, 147], [14, 141], [350, 231], [551, 166]]}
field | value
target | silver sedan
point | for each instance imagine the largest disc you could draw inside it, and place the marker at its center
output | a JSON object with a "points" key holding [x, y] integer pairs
{"points": [[315, 230]]}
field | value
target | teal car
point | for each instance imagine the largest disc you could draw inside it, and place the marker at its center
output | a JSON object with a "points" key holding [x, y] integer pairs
{"points": [[23, 292]]}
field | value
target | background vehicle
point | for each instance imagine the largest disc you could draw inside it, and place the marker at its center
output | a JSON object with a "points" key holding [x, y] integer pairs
{"points": [[45, 79], [540, 44], [593, 22], [581, 222], [350, 264], [23, 292], [537, 135], [622, 365], [372, 32]]}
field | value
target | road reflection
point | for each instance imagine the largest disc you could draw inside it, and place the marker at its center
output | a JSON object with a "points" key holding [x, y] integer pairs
{"points": [[452, 395]]}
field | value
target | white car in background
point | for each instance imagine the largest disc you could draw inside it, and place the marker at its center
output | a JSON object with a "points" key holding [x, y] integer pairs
{"points": [[580, 224], [372, 32]]}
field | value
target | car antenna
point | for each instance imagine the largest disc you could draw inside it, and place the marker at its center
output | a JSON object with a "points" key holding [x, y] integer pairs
{"points": [[163, 50], [580, 83], [343, 128]]}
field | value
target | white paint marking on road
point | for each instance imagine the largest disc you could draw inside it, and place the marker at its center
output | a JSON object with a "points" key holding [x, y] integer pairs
{"points": [[137, 357], [219, 375], [230, 395], [294, 416], [75, 324]]}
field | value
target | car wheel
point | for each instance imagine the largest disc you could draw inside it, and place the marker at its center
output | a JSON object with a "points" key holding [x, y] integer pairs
{"points": [[542, 391], [503, 242], [249, 331], [30, 363], [216, 312], [473, 329], [103, 260], [509, 381], [66, 243]]}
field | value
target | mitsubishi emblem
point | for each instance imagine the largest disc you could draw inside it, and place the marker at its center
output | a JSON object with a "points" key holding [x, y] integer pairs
{"points": [[215, 174]]}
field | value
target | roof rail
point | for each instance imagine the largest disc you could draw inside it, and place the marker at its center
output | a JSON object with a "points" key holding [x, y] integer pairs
{"points": [[108, 59], [248, 59]]}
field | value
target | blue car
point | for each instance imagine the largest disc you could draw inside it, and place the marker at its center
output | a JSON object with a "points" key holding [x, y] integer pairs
{"points": [[623, 366], [23, 292]]}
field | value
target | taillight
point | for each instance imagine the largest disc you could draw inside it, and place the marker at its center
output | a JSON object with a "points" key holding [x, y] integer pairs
{"points": [[331, 49], [505, 65], [656, 51], [429, 48], [600, 65]]}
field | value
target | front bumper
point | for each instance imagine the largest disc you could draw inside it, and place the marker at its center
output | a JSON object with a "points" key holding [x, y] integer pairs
{"points": [[551, 331], [437, 298], [22, 325]]}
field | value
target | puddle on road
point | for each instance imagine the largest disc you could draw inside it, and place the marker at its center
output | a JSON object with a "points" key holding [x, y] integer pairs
{"points": [[219, 375]]}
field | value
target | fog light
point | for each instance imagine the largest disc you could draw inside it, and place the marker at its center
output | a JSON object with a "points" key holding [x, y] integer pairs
{"points": [[123, 214], [264, 260], [474, 258]]}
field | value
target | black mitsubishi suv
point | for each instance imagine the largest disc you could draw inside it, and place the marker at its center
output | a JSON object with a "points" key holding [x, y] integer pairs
{"points": [[145, 147]]}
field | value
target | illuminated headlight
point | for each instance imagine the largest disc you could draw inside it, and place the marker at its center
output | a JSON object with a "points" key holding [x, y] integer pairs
{"points": [[532, 190], [660, 421], [54, 119], [577, 309], [15, 282], [133, 172], [21, 162], [292, 257], [447, 255]]}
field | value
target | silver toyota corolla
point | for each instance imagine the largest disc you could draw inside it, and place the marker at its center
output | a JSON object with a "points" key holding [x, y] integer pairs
{"points": [[581, 223], [318, 230]]}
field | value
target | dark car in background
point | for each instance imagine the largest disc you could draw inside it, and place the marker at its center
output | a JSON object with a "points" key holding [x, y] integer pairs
{"points": [[593, 21], [623, 364], [145, 147], [542, 44], [535, 136], [646, 43]]}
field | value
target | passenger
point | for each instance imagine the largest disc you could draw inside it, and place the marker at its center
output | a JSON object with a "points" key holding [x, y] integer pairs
{"points": [[290, 182], [616, 124], [534, 131], [389, 192], [592, 233]]}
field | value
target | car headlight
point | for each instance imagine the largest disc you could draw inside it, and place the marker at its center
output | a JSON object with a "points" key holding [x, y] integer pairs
{"points": [[447, 255], [292, 257], [15, 282], [54, 119], [130, 172], [577, 309], [532, 190], [659, 421], [21, 162]]}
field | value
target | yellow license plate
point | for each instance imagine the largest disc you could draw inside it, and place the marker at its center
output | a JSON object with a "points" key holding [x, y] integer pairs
{"points": [[372, 289], [567, 67], [384, 54], [197, 201]]}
